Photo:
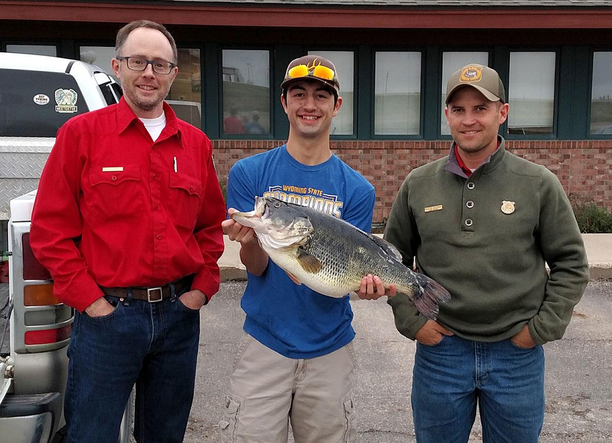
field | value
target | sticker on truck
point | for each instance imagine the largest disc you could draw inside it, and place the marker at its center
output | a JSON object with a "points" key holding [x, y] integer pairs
{"points": [[66, 101], [41, 99]]}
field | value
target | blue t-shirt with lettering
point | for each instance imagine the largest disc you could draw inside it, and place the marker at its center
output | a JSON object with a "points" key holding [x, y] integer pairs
{"points": [[292, 319]]}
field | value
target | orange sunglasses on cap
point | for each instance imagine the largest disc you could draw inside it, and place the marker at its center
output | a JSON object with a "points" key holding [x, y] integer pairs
{"points": [[319, 71]]}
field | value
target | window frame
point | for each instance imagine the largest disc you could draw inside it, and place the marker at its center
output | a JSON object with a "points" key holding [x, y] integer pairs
{"points": [[557, 79], [105, 44], [54, 43], [592, 52], [219, 126], [372, 84]]}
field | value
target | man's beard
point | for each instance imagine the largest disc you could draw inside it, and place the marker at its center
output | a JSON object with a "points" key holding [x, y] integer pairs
{"points": [[138, 102]]}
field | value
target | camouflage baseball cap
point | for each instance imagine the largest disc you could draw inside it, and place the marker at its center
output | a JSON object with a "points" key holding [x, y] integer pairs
{"points": [[484, 79], [312, 67]]}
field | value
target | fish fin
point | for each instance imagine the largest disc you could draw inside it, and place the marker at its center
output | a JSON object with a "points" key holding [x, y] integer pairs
{"points": [[309, 262], [427, 300], [387, 247]]}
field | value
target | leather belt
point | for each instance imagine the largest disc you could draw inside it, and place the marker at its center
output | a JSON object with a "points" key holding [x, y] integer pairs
{"points": [[152, 295]]}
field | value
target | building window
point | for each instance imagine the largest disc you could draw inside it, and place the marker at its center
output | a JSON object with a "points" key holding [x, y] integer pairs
{"points": [[185, 96], [451, 62], [100, 56], [531, 91], [33, 49], [397, 100], [601, 94], [342, 123], [246, 92]]}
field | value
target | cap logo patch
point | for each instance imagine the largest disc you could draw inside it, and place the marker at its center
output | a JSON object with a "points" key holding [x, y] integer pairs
{"points": [[471, 74], [312, 64]]}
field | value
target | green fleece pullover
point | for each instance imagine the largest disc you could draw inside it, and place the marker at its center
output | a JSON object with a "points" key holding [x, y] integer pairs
{"points": [[487, 239]]}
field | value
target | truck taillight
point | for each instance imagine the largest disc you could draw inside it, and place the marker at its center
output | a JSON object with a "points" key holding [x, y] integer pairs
{"points": [[39, 295], [32, 269], [47, 336]]}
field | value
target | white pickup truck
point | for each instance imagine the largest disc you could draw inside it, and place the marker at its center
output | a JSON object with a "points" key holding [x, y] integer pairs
{"points": [[37, 95]]}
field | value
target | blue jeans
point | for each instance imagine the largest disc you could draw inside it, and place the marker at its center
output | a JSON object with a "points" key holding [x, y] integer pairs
{"points": [[452, 377], [152, 345]]}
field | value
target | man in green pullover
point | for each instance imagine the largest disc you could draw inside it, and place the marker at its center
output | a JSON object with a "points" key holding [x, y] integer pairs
{"points": [[484, 223]]}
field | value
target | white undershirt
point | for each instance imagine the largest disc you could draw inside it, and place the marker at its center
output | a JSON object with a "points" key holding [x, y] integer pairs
{"points": [[155, 125]]}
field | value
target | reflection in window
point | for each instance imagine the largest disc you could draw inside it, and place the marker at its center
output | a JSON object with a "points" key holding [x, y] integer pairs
{"points": [[531, 91], [397, 102], [33, 49], [246, 92], [451, 62], [342, 124], [100, 56], [601, 95], [185, 96]]}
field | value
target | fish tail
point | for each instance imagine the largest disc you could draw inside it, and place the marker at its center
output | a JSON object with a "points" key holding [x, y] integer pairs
{"points": [[428, 299]]}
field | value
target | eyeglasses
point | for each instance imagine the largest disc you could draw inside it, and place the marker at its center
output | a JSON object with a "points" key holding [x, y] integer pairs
{"points": [[140, 64], [319, 71]]}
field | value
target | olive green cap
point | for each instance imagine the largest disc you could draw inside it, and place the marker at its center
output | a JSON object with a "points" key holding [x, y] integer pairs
{"points": [[484, 79]]}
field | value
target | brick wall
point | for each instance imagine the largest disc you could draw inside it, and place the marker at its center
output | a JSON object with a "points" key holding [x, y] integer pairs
{"points": [[584, 167]]}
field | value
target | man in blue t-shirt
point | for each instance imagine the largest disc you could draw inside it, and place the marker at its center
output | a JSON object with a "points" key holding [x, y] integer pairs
{"points": [[296, 360]]}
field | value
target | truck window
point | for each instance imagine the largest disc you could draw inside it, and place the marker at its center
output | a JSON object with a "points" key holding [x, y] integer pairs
{"points": [[36, 104], [108, 94]]}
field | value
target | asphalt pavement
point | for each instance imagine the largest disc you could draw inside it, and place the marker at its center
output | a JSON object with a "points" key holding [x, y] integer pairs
{"points": [[578, 371]]}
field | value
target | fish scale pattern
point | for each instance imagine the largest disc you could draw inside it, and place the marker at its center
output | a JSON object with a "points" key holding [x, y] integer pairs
{"points": [[347, 254]]}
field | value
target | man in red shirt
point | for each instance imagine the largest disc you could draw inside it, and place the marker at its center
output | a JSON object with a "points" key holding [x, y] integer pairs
{"points": [[232, 124], [128, 221]]}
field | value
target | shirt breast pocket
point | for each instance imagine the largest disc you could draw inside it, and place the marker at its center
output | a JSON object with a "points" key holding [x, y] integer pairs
{"points": [[185, 200], [116, 194]]}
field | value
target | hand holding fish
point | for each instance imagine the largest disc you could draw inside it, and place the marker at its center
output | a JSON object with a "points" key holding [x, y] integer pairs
{"points": [[431, 333], [237, 232], [253, 257], [372, 288]]}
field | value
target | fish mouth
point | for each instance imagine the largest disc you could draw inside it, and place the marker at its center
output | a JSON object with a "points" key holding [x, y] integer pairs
{"points": [[261, 208], [271, 227], [254, 218]]}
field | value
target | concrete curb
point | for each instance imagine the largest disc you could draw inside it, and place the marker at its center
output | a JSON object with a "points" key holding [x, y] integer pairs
{"points": [[600, 273], [232, 274]]}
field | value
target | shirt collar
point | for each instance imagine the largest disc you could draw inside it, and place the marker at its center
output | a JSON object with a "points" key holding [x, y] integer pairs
{"points": [[456, 165], [126, 117], [460, 162]]}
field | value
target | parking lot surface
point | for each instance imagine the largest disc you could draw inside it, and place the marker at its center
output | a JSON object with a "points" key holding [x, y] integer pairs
{"points": [[578, 371]]}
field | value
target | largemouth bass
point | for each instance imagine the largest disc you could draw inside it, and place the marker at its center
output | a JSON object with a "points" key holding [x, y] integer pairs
{"points": [[331, 256]]}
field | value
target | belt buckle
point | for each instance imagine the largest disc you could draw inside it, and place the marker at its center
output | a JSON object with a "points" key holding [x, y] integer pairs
{"points": [[154, 291]]}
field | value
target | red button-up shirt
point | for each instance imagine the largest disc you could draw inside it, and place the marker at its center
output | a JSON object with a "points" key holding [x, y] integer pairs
{"points": [[116, 209]]}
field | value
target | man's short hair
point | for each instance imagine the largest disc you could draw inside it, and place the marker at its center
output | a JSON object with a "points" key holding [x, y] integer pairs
{"points": [[124, 32]]}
